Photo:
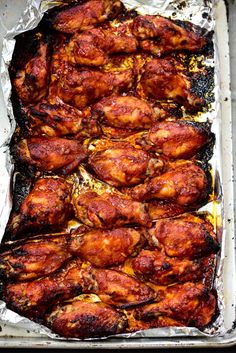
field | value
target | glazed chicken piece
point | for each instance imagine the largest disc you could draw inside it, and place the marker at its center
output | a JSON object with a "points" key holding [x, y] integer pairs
{"points": [[85, 16], [34, 258], [191, 303], [185, 184], [125, 112], [83, 87], [187, 236], [156, 267], [82, 318], [178, 139], [166, 35], [34, 298], [47, 206], [162, 209], [31, 82], [103, 248], [116, 288], [108, 210], [120, 164], [60, 119], [51, 153], [163, 79], [93, 47]]}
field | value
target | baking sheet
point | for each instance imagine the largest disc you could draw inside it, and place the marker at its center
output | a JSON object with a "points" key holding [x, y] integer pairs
{"points": [[228, 169]]}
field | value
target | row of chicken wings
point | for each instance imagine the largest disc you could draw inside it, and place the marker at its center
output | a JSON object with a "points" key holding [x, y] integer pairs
{"points": [[106, 240]]}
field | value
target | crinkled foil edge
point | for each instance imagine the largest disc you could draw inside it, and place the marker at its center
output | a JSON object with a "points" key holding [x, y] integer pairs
{"points": [[200, 12]]}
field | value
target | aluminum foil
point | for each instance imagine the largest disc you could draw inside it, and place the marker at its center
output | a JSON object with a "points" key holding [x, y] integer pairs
{"points": [[199, 12]]}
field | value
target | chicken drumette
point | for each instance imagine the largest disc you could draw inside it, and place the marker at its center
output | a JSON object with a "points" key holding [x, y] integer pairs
{"points": [[31, 82], [84, 318], [51, 153], [120, 164], [84, 16], [165, 35], [184, 183], [186, 236], [164, 79], [46, 207]]}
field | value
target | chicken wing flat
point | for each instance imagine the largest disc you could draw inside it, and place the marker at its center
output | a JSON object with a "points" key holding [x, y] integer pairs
{"points": [[80, 88], [47, 206], [51, 153], [163, 79], [84, 16], [120, 164], [93, 47], [186, 184], [178, 139], [156, 267], [33, 299], [116, 288], [34, 258], [104, 248], [186, 236], [182, 302], [125, 112], [108, 210], [60, 119], [166, 35], [31, 82], [84, 319]]}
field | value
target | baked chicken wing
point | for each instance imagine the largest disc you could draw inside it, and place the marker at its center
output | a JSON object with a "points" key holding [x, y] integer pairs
{"points": [[93, 47], [156, 267], [60, 119], [51, 153], [82, 318], [182, 302], [47, 206], [31, 82], [120, 164], [163, 79], [186, 184], [34, 258], [83, 87], [186, 236], [84, 16], [103, 248], [108, 210], [178, 139], [126, 112], [165, 34]]}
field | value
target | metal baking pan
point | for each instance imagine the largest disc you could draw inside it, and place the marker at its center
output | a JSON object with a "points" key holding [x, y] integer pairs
{"points": [[22, 338]]}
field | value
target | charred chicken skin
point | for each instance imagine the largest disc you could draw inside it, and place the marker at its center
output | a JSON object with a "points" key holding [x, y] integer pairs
{"points": [[103, 248], [34, 258], [31, 82], [165, 35], [156, 267], [163, 79], [185, 236], [51, 153], [84, 16], [120, 164], [178, 139], [182, 302], [84, 319], [185, 184], [46, 206], [60, 119], [93, 47], [126, 112], [108, 210], [83, 87]]}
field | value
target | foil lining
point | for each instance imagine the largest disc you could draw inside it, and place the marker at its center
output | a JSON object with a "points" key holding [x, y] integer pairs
{"points": [[199, 12]]}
